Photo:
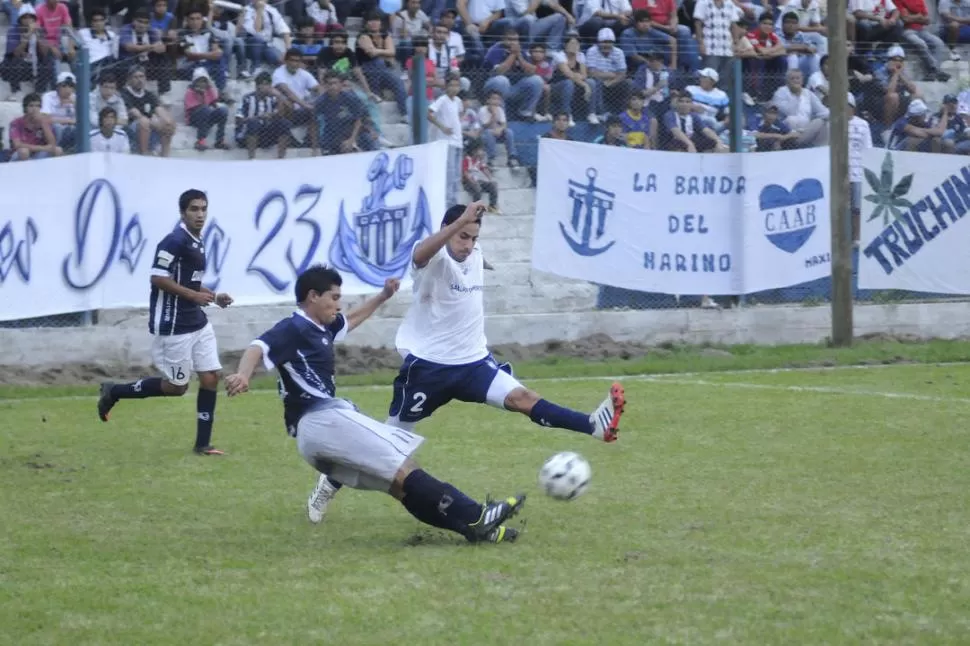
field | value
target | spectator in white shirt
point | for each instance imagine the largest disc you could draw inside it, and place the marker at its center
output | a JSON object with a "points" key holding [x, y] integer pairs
{"points": [[445, 115], [101, 42], [714, 27], [860, 138], [298, 89], [405, 25], [60, 106], [261, 23], [811, 23], [709, 101], [481, 18], [495, 128], [109, 137], [594, 15], [803, 111], [324, 15], [876, 21]]}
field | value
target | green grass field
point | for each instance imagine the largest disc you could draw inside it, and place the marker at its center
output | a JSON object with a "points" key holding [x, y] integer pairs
{"points": [[798, 507]]}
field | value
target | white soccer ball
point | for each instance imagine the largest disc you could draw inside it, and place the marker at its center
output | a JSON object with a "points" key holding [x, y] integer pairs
{"points": [[565, 476]]}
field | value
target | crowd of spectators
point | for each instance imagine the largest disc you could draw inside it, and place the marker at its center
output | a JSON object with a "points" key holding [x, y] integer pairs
{"points": [[651, 74]]}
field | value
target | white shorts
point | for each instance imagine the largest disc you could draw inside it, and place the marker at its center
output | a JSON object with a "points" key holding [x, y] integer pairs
{"points": [[179, 355], [354, 449]]}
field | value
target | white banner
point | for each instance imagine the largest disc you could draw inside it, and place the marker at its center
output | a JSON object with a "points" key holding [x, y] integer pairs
{"points": [[678, 223], [913, 236], [78, 233]]}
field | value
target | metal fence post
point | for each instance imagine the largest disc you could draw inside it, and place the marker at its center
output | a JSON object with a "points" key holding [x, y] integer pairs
{"points": [[737, 119], [419, 102], [83, 129]]}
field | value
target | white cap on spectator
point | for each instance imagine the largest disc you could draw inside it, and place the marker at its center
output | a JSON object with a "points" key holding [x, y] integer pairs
{"points": [[606, 35], [710, 73], [64, 77], [200, 73], [917, 108], [963, 108], [851, 99], [26, 10], [896, 52]]}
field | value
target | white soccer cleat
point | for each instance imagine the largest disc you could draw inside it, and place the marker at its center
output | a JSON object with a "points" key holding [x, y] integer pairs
{"points": [[606, 418], [319, 500]]}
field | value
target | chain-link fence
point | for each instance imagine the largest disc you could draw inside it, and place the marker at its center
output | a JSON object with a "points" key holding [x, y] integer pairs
{"points": [[295, 78]]}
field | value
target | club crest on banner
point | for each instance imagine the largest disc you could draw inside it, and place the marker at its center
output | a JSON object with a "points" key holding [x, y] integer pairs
{"points": [[375, 243], [790, 217], [587, 226]]}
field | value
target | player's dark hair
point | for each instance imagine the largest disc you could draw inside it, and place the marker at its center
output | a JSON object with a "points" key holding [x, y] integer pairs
{"points": [[316, 278], [192, 194], [454, 213]]}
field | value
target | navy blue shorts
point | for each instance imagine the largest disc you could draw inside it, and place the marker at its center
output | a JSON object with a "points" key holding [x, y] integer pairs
{"points": [[421, 387]]}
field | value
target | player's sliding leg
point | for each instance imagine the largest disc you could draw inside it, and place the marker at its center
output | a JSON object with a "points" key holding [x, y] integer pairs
{"points": [[362, 453], [442, 505], [205, 406], [320, 497]]}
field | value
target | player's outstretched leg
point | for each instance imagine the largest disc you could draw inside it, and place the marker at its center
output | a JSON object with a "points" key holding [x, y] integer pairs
{"points": [[205, 405], [141, 389], [320, 497], [603, 423], [440, 504]]}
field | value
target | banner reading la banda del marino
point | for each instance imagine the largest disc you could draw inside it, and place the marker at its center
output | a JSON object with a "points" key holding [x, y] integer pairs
{"points": [[79, 233], [913, 235], [679, 223]]}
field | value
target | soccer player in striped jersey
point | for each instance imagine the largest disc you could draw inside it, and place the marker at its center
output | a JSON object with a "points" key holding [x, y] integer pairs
{"points": [[184, 341]]}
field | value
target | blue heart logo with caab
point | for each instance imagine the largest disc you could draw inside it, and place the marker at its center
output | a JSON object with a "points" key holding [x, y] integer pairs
{"points": [[790, 217]]}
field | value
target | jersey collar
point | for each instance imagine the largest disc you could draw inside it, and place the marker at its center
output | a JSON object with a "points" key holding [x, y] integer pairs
{"points": [[311, 321], [186, 229]]}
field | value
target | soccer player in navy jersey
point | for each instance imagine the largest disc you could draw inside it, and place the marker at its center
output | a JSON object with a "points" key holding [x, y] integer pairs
{"points": [[334, 437], [446, 356], [184, 341]]}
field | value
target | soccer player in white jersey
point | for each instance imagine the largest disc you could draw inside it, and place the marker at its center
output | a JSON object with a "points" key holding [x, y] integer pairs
{"points": [[446, 357], [334, 437]]}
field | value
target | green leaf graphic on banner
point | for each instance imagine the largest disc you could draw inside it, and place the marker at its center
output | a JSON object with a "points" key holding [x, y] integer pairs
{"points": [[889, 198]]}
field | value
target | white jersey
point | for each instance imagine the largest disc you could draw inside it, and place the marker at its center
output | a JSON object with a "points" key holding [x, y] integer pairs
{"points": [[446, 320]]}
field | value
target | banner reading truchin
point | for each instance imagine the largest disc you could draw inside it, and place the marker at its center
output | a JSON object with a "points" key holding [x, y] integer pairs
{"points": [[913, 236], [78, 233]]}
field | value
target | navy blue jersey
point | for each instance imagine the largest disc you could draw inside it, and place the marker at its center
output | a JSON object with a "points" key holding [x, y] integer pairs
{"points": [[303, 354], [181, 257]]}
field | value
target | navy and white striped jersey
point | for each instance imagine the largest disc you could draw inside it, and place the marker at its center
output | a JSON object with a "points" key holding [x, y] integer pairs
{"points": [[302, 352], [254, 105], [181, 257]]}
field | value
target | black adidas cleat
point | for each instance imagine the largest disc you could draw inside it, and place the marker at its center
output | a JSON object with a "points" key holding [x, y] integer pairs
{"points": [[106, 402], [493, 515], [501, 534]]}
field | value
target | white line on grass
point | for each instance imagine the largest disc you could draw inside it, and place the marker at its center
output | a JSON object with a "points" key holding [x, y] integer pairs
{"points": [[816, 389], [667, 377]]}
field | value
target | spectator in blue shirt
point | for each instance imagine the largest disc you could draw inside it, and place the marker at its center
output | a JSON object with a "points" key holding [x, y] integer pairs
{"points": [[343, 116], [914, 131], [774, 133], [641, 39], [163, 21], [687, 131], [801, 54], [27, 48], [139, 44], [513, 76]]}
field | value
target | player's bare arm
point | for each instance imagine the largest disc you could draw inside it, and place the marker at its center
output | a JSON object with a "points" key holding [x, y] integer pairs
{"points": [[221, 299], [427, 248], [238, 383], [366, 309], [167, 284]]}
